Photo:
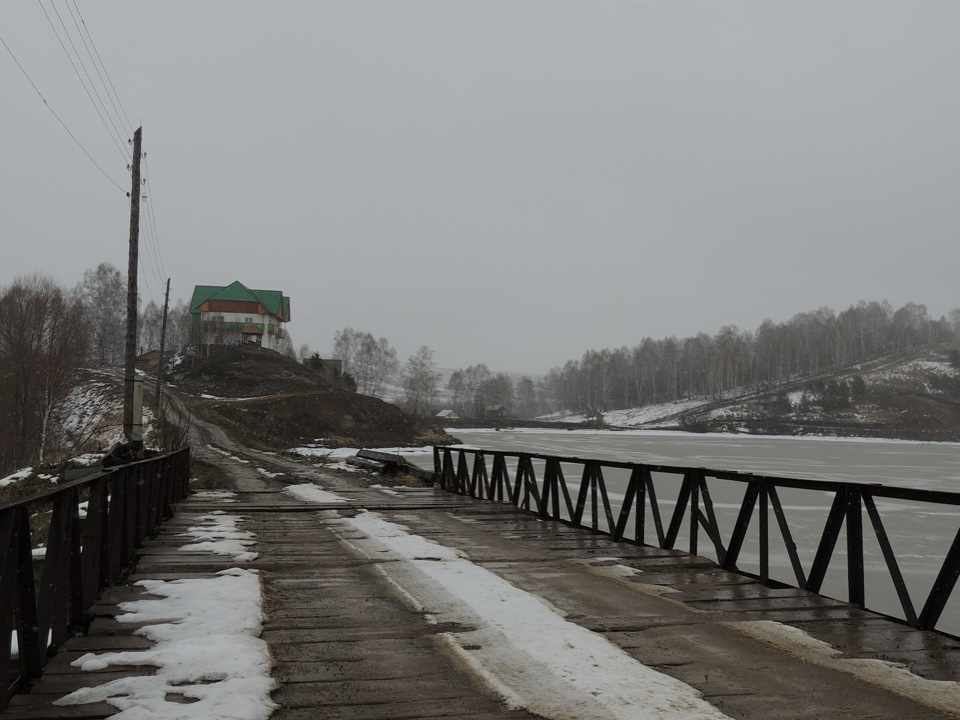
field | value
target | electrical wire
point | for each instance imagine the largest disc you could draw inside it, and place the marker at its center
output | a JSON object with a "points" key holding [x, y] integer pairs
{"points": [[152, 218], [150, 259], [112, 92], [59, 120], [116, 135]]}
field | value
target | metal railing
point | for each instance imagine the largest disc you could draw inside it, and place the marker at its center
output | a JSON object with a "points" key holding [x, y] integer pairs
{"points": [[124, 506], [749, 500]]}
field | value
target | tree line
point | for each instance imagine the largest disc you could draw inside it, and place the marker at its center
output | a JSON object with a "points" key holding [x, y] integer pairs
{"points": [[48, 333], [707, 366], [371, 366], [671, 369]]}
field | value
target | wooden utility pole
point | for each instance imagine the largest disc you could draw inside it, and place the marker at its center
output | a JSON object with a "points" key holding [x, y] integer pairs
{"points": [[129, 373], [163, 335]]}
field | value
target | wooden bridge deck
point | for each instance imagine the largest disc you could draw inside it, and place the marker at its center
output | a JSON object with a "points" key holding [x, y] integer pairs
{"points": [[346, 644]]}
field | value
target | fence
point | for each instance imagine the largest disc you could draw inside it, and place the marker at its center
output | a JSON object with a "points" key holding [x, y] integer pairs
{"points": [[123, 506], [691, 491]]}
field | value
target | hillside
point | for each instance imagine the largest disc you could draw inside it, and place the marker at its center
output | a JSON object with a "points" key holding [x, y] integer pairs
{"points": [[273, 402], [911, 396]]}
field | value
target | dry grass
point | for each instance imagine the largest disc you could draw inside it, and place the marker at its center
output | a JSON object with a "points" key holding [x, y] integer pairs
{"points": [[205, 476], [412, 481]]}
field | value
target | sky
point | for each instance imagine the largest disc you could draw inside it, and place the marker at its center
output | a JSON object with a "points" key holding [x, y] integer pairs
{"points": [[507, 183]]}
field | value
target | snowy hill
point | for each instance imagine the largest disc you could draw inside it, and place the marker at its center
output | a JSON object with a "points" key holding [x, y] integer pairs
{"points": [[910, 396]]}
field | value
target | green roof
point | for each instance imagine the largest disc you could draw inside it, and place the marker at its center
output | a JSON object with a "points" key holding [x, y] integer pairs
{"points": [[274, 301]]}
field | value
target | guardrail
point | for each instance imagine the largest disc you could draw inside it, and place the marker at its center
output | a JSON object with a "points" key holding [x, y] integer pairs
{"points": [[691, 490], [124, 505]]}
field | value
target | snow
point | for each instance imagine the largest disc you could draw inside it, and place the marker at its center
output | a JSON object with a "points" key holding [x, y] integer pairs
{"points": [[916, 369], [531, 655], [345, 452], [578, 673], [217, 496], [228, 455], [210, 660], [341, 454], [21, 474], [93, 411], [25, 473], [217, 532], [212, 664], [631, 417], [941, 694], [312, 493], [88, 459]]}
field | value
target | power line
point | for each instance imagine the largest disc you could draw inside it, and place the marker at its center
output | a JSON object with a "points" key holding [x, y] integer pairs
{"points": [[151, 259], [153, 219], [59, 120], [116, 133], [109, 79], [150, 255]]}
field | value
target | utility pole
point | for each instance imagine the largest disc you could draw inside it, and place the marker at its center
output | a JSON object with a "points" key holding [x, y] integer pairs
{"points": [[129, 374], [163, 335]]}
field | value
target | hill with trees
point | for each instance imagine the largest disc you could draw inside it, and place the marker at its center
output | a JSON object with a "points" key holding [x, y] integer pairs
{"points": [[908, 395], [705, 367]]}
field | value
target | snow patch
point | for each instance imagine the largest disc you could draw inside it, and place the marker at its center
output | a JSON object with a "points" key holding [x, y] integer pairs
{"points": [[578, 673], [941, 694], [312, 493], [210, 660], [218, 533]]}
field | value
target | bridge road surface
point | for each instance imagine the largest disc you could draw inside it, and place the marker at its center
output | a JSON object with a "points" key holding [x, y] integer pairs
{"points": [[349, 640]]}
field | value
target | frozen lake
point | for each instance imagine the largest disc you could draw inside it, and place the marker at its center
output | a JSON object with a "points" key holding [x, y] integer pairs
{"points": [[919, 533], [933, 466]]}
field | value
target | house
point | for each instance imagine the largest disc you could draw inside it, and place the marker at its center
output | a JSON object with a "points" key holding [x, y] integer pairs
{"points": [[447, 415], [594, 418], [331, 367], [495, 412], [236, 314]]}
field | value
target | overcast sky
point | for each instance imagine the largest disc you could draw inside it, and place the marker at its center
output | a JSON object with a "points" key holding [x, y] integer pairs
{"points": [[505, 182]]}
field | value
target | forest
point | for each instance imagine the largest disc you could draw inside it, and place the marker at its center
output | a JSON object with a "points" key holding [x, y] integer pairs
{"points": [[707, 366]]}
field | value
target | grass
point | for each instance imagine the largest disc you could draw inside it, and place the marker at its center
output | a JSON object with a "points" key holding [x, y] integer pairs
{"points": [[206, 476]]}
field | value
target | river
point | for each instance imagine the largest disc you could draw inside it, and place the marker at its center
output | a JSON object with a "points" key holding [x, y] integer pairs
{"points": [[920, 533]]}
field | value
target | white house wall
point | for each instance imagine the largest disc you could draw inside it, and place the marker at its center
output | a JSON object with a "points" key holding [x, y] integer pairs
{"points": [[270, 341]]}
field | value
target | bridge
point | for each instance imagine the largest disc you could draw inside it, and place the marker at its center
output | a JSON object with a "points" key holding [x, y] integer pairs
{"points": [[407, 602]]}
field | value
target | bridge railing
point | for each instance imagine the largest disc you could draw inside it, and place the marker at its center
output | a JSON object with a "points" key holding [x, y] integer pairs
{"points": [[730, 512], [92, 527]]}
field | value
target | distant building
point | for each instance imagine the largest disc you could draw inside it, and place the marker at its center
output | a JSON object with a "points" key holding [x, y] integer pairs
{"points": [[328, 366], [496, 412], [447, 415], [594, 419], [236, 314]]}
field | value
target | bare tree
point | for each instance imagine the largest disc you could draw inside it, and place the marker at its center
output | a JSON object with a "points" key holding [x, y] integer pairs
{"points": [[179, 327], [526, 398], [43, 342], [371, 362], [149, 325], [103, 293], [420, 381]]}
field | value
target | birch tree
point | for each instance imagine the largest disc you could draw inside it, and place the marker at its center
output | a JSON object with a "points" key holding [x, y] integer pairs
{"points": [[420, 381], [43, 341]]}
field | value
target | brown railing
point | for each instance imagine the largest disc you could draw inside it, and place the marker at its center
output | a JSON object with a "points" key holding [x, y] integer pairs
{"points": [[124, 506], [646, 491]]}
